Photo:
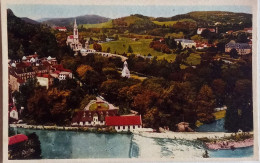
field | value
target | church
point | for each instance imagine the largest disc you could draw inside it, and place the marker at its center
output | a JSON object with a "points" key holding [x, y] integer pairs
{"points": [[73, 40]]}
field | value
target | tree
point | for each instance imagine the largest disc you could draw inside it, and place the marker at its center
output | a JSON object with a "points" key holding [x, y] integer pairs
{"points": [[219, 88], [130, 50], [38, 107], [233, 53], [108, 50], [240, 109], [20, 52], [180, 46], [205, 104], [97, 47]]}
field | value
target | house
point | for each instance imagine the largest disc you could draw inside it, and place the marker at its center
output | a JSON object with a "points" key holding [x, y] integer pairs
{"points": [[45, 80], [124, 123], [17, 139], [213, 30], [186, 43], [241, 48], [62, 29], [73, 40], [94, 113], [61, 73], [13, 114]]}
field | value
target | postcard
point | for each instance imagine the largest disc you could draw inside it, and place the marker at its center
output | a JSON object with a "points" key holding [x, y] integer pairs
{"points": [[129, 81]]}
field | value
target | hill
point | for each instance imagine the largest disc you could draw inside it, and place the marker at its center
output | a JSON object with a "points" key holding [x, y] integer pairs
{"points": [[28, 20], [212, 17], [26, 38], [85, 19]]}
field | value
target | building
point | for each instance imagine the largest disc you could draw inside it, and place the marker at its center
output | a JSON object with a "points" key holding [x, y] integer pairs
{"points": [[45, 80], [85, 51], [58, 71], [124, 123], [125, 71], [241, 48], [248, 30], [17, 139], [186, 43], [94, 113], [213, 30], [13, 114], [73, 40], [61, 29]]}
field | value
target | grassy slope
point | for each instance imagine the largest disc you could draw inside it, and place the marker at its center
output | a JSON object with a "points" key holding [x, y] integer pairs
{"points": [[107, 24], [139, 47], [171, 22]]}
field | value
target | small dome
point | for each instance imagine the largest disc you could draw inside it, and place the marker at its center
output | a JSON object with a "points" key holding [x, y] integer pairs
{"points": [[13, 65], [24, 58], [49, 58]]}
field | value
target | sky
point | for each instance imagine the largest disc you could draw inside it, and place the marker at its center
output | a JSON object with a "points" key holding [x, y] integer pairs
{"points": [[62, 11]]}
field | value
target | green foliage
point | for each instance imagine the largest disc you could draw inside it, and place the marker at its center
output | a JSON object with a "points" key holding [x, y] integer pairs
{"points": [[205, 105], [130, 50]]}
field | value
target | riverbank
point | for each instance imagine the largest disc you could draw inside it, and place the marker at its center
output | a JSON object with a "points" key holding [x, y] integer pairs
{"points": [[63, 128], [145, 132], [230, 144], [185, 135]]}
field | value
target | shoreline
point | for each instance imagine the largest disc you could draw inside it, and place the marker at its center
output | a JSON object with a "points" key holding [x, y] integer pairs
{"points": [[144, 132]]}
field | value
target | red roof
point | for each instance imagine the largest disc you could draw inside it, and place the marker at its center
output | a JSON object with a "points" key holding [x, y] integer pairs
{"points": [[17, 139], [61, 68], [71, 36], [14, 108], [43, 75], [60, 27], [123, 120]]}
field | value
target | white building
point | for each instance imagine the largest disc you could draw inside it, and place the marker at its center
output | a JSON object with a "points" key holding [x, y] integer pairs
{"points": [[63, 75], [186, 43], [13, 113], [73, 40], [125, 71]]}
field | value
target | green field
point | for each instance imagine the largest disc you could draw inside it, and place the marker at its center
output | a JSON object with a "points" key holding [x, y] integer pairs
{"points": [[167, 23], [193, 59], [139, 47], [107, 24]]}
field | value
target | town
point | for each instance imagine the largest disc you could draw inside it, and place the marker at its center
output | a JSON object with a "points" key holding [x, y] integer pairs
{"points": [[133, 75]]}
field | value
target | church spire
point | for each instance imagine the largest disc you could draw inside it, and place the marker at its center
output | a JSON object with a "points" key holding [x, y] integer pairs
{"points": [[75, 24]]}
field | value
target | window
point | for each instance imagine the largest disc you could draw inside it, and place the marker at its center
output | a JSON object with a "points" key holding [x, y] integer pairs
{"points": [[123, 127], [118, 127], [138, 126], [134, 127]]}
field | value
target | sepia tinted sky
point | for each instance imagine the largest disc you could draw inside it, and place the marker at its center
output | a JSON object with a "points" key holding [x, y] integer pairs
{"points": [[60, 11]]}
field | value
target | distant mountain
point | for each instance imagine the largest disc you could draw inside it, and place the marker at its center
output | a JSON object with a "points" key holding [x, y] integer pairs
{"points": [[211, 17], [28, 20], [25, 38], [85, 19]]}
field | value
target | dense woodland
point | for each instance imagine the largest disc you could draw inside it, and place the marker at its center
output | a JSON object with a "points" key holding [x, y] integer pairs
{"points": [[167, 96]]}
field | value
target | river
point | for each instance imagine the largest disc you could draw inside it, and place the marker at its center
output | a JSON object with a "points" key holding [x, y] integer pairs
{"points": [[72, 145]]}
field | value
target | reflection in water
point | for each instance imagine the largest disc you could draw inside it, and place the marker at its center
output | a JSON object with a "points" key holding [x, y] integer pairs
{"points": [[70, 144]]}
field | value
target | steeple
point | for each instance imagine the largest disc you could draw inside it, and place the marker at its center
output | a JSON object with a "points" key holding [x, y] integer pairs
{"points": [[75, 24]]}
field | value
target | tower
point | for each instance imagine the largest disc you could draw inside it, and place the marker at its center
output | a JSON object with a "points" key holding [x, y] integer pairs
{"points": [[125, 71], [75, 33]]}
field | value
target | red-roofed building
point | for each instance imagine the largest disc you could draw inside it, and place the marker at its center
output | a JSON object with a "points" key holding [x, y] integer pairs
{"points": [[13, 114], [45, 79], [17, 139], [62, 29], [124, 123]]}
